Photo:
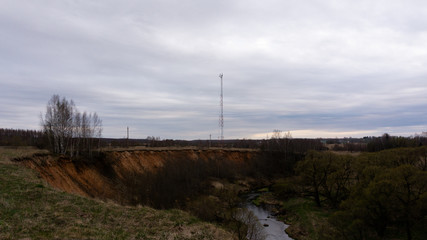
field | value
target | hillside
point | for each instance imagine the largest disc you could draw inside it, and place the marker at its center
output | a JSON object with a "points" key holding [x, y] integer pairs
{"points": [[113, 174], [30, 208]]}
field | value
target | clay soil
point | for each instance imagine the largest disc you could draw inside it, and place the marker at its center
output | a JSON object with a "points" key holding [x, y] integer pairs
{"points": [[102, 177]]}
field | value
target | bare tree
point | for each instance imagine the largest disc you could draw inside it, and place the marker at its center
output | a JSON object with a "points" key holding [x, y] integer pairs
{"points": [[69, 131], [58, 123], [94, 132], [254, 229], [77, 137]]}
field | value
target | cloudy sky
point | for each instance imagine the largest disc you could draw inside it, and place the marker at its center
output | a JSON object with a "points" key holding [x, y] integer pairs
{"points": [[316, 68]]}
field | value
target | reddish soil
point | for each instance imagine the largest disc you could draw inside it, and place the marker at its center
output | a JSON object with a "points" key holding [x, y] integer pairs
{"points": [[101, 178]]}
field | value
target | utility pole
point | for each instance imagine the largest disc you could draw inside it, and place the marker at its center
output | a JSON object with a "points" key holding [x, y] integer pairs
{"points": [[127, 137], [221, 116]]}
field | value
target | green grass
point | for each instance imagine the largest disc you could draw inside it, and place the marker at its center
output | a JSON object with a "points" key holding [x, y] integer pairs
{"points": [[257, 201], [29, 208], [265, 198], [305, 218]]}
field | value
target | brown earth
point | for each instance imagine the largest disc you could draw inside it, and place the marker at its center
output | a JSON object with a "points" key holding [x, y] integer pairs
{"points": [[102, 178]]}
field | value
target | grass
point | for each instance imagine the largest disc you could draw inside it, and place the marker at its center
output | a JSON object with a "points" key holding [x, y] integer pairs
{"points": [[265, 197], [8, 153], [305, 218], [263, 190], [29, 208]]}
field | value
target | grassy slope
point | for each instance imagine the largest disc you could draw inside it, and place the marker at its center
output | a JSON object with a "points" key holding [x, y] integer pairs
{"points": [[305, 218], [31, 209]]}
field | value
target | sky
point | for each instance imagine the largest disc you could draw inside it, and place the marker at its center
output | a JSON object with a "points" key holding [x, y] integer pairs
{"points": [[315, 68]]}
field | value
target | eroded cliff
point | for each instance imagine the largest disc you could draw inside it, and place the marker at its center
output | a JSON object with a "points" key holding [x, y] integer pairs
{"points": [[115, 175]]}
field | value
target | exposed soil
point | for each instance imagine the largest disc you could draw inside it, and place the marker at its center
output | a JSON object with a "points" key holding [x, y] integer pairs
{"points": [[103, 178], [29, 209]]}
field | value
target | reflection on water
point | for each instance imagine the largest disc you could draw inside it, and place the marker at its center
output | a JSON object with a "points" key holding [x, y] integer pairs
{"points": [[272, 228]]}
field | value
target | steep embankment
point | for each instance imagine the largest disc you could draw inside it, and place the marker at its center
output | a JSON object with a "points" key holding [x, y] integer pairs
{"points": [[30, 209], [105, 177]]}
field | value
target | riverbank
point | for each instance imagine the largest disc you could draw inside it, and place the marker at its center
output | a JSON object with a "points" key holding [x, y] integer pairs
{"points": [[305, 221], [272, 228]]}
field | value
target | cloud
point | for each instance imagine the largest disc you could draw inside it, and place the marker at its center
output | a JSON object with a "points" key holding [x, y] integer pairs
{"points": [[312, 67]]}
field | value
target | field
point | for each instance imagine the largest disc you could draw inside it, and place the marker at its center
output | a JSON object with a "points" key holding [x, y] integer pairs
{"points": [[31, 209]]}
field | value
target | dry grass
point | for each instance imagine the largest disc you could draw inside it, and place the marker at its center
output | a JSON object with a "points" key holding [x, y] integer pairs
{"points": [[31, 209], [8, 153]]}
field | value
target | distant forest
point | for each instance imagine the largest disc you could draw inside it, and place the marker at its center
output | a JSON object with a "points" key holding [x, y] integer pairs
{"points": [[37, 138], [19, 137]]}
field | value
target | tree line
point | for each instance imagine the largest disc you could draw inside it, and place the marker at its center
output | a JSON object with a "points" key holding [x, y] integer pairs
{"points": [[20, 137], [69, 131], [386, 141]]}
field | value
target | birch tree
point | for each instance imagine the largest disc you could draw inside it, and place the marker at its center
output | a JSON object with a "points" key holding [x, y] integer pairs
{"points": [[69, 131]]}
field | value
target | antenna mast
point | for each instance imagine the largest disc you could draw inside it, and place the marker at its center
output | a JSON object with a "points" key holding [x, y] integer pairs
{"points": [[221, 116]]}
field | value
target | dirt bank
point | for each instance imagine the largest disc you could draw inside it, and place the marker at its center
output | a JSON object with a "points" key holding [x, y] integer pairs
{"points": [[104, 177]]}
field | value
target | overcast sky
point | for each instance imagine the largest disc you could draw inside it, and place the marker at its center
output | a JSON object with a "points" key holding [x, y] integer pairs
{"points": [[326, 68]]}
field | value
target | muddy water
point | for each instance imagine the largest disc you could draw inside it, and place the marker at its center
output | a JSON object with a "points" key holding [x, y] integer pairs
{"points": [[273, 229]]}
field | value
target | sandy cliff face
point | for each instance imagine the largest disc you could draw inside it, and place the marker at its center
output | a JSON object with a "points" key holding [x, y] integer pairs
{"points": [[103, 178]]}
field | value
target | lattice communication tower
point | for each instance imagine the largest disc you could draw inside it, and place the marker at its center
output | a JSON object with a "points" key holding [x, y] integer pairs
{"points": [[221, 115]]}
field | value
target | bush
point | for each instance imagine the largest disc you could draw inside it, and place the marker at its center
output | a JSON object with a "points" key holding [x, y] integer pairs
{"points": [[285, 188]]}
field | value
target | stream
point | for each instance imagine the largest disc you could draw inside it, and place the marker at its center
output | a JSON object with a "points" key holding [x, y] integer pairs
{"points": [[273, 229]]}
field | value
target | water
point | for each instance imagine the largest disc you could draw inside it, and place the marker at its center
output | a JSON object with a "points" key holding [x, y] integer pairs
{"points": [[272, 228]]}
